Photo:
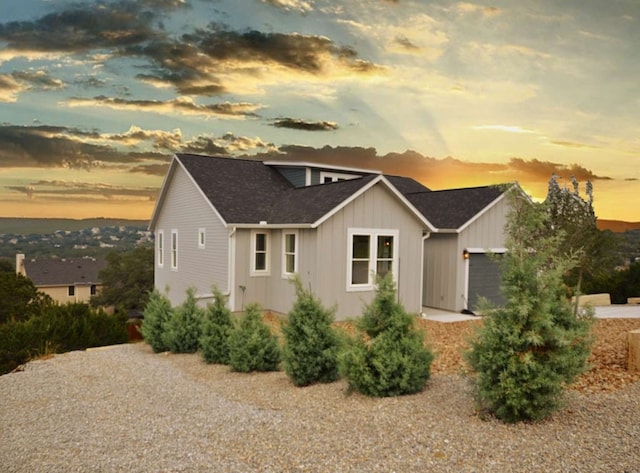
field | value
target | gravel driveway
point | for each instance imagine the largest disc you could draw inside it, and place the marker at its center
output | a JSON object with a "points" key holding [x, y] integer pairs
{"points": [[125, 409]]}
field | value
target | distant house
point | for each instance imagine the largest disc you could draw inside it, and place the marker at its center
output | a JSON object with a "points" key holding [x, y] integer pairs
{"points": [[64, 279], [247, 226]]}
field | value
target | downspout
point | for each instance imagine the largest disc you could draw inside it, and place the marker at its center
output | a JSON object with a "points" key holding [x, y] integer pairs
{"points": [[425, 237]]}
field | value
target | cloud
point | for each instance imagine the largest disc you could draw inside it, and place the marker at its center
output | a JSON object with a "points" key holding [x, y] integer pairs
{"points": [[505, 128], [298, 124], [52, 189], [38, 79], [301, 6], [182, 106], [573, 144], [10, 88], [465, 8], [227, 144]]}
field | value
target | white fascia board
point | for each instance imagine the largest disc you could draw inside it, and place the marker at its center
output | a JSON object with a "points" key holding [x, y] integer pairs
{"points": [[161, 195], [320, 166], [411, 207], [482, 212], [485, 250], [272, 225]]}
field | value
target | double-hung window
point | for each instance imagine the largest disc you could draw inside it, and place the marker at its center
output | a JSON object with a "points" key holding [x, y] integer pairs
{"points": [[289, 254], [260, 251], [174, 249], [160, 248], [371, 252]]}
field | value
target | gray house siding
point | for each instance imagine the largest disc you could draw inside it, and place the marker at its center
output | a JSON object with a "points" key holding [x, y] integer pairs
{"points": [[378, 208], [441, 268], [295, 175], [186, 210]]}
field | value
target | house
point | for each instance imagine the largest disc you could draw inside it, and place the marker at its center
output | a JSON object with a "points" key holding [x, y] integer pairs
{"points": [[64, 279], [248, 226]]}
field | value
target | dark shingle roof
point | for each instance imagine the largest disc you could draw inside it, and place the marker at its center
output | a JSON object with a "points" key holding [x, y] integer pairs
{"points": [[406, 185], [451, 209], [64, 272], [251, 201]]}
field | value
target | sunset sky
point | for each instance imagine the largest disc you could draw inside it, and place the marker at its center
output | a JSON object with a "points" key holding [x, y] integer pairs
{"points": [[95, 96]]}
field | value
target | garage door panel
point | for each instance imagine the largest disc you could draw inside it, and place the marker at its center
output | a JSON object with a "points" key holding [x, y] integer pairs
{"points": [[484, 279]]}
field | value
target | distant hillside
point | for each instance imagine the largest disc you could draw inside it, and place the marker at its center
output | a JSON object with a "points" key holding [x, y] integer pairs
{"points": [[42, 226], [618, 226]]}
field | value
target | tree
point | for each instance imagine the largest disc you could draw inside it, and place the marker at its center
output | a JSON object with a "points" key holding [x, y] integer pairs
{"points": [[19, 298], [216, 330], [6, 266], [388, 358], [157, 314], [183, 328], [573, 217], [531, 348], [311, 345], [127, 280], [252, 346]]}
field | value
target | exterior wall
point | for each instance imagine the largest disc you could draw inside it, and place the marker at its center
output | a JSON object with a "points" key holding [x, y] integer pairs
{"points": [[60, 294], [378, 208], [446, 271], [295, 176], [187, 211], [441, 267]]}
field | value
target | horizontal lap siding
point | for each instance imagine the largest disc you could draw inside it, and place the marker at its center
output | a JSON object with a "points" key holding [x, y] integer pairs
{"points": [[186, 210]]}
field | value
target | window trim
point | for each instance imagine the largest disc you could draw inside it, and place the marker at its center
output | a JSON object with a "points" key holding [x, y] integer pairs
{"points": [[336, 176], [202, 238], [267, 270], [71, 291], [160, 248], [373, 234], [174, 250], [285, 233]]}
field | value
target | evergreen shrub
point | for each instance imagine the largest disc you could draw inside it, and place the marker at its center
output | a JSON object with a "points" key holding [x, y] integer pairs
{"points": [[216, 330], [388, 357], [528, 351], [252, 346], [311, 346], [183, 328], [157, 313]]}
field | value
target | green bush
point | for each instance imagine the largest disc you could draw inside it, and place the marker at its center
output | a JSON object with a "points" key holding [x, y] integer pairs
{"points": [[311, 345], [157, 314], [183, 328], [528, 351], [388, 357], [216, 329], [252, 346], [59, 329]]}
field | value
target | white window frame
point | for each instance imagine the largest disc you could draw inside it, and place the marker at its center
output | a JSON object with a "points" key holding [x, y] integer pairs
{"points": [[202, 238], [373, 234], [285, 273], [267, 270], [174, 250], [160, 248], [336, 176]]}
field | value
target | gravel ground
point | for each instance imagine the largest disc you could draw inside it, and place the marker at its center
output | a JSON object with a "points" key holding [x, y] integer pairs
{"points": [[124, 408]]}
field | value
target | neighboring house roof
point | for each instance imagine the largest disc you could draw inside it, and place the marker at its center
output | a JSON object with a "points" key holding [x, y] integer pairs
{"points": [[452, 209], [64, 271]]}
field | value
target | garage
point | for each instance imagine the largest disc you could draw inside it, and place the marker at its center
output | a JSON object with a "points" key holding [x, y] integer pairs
{"points": [[484, 278]]}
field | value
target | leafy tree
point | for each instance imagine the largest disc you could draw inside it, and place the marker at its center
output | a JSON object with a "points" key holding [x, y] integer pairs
{"points": [[573, 217], [183, 328], [531, 348], [216, 329], [127, 280], [19, 298], [388, 358], [157, 314], [311, 345], [252, 346], [6, 266]]}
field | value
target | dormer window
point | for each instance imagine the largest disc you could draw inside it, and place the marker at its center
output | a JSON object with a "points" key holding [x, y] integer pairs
{"points": [[326, 176]]}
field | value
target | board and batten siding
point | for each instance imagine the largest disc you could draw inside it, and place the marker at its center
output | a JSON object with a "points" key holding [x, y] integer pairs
{"points": [[441, 267], [186, 210], [378, 208]]}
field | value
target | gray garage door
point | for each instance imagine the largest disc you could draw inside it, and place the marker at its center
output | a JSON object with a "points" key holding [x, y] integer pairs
{"points": [[484, 279]]}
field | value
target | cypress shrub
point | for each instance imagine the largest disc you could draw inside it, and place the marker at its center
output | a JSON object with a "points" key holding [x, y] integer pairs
{"points": [[528, 351], [183, 328], [216, 329], [252, 346], [157, 313], [388, 357], [311, 345]]}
